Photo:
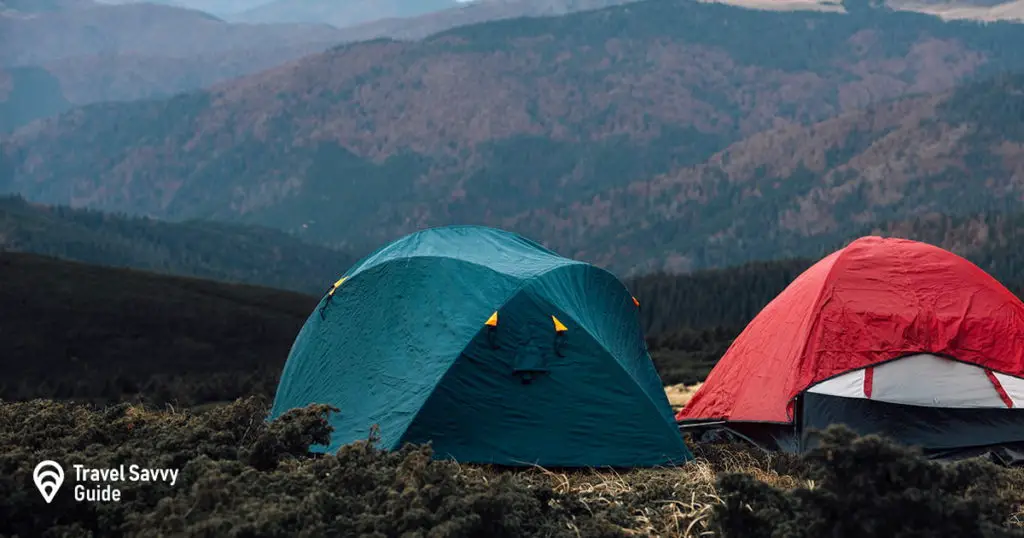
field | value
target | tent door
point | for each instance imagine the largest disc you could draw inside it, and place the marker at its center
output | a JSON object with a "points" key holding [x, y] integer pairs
{"points": [[531, 359]]}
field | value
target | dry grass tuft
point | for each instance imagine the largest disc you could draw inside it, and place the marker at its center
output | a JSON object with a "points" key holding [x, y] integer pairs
{"points": [[679, 395], [664, 502]]}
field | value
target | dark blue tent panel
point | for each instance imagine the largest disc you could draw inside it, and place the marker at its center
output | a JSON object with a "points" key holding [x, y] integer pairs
{"points": [[491, 347]]}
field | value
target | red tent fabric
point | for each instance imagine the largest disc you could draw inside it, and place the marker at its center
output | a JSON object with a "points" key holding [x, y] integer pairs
{"points": [[873, 301]]}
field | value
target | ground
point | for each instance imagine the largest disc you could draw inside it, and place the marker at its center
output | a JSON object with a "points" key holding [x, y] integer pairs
{"points": [[243, 477]]}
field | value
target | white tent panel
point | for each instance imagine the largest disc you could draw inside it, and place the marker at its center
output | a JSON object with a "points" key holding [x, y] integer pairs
{"points": [[849, 385], [926, 380], [1014, 388], [934, 382]]}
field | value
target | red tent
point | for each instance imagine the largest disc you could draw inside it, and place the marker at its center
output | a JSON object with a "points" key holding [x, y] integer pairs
{"points": [[882, 321]]}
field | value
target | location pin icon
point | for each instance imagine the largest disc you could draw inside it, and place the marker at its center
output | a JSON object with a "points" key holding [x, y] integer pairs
{"points": [[48, 476]]}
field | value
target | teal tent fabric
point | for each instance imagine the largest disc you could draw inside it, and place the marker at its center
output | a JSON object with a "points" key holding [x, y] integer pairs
{"points": [[403, 343]]}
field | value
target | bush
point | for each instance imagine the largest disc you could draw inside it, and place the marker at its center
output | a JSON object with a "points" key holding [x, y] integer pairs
{"points": [[243, 477], [870, 487]]}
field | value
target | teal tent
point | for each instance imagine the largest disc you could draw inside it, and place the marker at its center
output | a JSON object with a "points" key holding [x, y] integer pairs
{"points": [[491, 347]]}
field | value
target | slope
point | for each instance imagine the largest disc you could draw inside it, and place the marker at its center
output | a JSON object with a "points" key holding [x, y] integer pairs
{"points": [[201, 249], [588, 102], [77, 331], [799, 190]]}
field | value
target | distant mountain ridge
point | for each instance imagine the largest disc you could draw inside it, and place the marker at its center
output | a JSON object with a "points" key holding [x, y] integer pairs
{"points": [[340, 13], [209, 250], [132, 60], [219, 8], [83, 52]]}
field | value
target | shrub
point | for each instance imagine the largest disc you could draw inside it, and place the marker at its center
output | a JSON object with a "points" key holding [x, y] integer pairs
{"points": [[242, 477], [870, 487]]}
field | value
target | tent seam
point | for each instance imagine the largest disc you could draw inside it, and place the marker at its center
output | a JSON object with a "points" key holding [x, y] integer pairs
{"points": [[815, 309], [612, 355]]}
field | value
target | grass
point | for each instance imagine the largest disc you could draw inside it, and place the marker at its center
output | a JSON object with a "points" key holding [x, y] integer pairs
{"points": [[675, 502], [679, 395]]}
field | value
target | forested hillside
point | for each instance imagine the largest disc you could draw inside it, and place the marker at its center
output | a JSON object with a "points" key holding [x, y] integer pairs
{"points": [[799, 190], [201, 249], [601, 149]]}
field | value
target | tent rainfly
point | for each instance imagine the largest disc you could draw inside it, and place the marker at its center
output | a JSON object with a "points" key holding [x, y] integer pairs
{"points": [[491, 347], [887, 336]]}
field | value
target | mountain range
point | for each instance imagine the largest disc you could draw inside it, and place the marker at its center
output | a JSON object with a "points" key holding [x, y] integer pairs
{"points": [[220, 8], [144, 29], [80, 52], [664, 134], [57, 54], [411, 19]]}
